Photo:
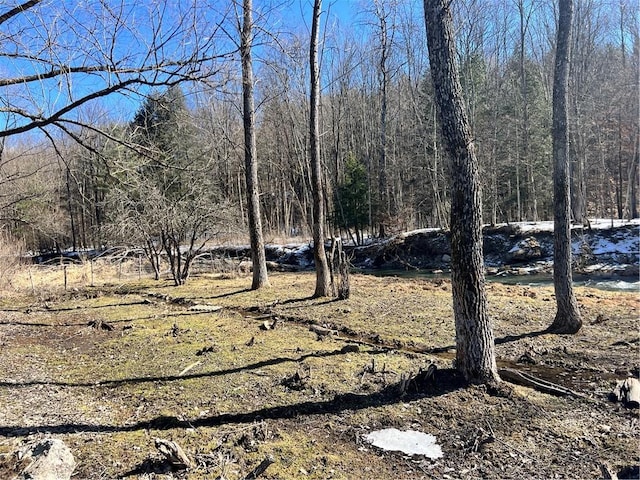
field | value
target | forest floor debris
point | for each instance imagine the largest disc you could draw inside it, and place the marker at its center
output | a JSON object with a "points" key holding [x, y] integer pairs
{"points": [[109, 394]]}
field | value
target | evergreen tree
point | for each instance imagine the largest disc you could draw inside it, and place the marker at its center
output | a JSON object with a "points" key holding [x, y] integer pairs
{"points": [[351, 205]]}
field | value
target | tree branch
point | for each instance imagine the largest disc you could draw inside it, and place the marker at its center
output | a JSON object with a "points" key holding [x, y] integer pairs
{"points": [[17, 10]]}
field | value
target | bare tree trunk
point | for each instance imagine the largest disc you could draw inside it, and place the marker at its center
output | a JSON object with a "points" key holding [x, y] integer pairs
{"points": [[475, 352], [567, 318], [319, 255], [260, 277], [526, 127], [383, 182]]}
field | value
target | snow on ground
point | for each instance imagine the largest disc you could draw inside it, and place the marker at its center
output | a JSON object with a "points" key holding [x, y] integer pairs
{"points": [[410, 442], [596, 224], [616, 244], [546, 226]]}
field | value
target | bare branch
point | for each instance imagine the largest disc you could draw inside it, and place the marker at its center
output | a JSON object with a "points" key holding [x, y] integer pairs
{"points": [[17, 10]]}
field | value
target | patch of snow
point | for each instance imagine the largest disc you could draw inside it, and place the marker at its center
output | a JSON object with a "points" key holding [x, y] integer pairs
{"points": [[596, 224], [605, 223], [534, 226], [419, 231], [410, 442]]}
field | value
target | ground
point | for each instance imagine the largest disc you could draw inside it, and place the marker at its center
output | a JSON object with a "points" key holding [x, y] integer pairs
{"points": [[107, 369]]}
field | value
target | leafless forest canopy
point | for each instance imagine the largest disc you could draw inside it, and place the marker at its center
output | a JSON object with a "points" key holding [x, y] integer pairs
{"points": [[121, 122]]}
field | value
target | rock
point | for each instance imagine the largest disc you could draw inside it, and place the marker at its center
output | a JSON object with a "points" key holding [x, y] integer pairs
{"points": [[628, 392], [50, 459], [172, 453], [525, 250]]}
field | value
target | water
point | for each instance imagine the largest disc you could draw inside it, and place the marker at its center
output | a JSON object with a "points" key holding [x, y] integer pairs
{"points": [[614, 284]]}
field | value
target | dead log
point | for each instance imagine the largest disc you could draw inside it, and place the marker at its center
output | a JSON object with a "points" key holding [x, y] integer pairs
{"points": [[627, 391], [321, 331]]}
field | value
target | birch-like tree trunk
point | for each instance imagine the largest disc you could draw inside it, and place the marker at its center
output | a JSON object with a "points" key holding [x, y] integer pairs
{"points": [[260, 277], [567, 318], [319, 255], [475, 353]]}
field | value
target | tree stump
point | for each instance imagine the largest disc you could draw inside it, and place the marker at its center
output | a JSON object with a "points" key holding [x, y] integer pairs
{"points": [[339, 266]]}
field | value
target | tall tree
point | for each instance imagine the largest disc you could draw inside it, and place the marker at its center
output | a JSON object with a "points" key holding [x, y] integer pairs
{"points": [[386, 32], [319, 255], [475, 353], [567, 318], [260, 277]]}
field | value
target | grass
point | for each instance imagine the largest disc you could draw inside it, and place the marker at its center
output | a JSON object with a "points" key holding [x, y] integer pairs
{"points": [[226, 390]]}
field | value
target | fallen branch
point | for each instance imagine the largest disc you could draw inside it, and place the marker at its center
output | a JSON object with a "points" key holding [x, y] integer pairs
{"points": [[527, 380], [193, 365], [205, 308]]}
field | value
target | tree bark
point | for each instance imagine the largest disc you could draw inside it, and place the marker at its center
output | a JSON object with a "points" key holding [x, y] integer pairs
{"points": [[260, 277], [567, 318], [319, 254], [475, 352]]}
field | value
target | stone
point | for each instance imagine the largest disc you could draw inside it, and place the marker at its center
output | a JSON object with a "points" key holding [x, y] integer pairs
{"points": [[525, 250], [49, 459]]}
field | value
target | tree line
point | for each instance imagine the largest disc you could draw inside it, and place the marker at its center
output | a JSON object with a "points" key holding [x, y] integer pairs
{"points": [[67, 180]]}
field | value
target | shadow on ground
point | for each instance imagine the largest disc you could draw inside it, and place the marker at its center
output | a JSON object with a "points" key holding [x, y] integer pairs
{"points": [[444, 381]]}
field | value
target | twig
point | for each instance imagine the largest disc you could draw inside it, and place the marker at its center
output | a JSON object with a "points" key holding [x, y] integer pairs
{"points": [[189, 368]]}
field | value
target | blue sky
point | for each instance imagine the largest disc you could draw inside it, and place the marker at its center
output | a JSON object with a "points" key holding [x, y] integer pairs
{"points": [[60, 22]]}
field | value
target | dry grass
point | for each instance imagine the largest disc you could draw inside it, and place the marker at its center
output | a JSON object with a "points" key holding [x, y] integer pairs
{"points": [[226, 390], [10, 264]]}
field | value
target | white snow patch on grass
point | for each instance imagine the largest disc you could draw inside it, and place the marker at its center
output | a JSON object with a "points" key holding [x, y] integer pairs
{"points": [[410, 442]]}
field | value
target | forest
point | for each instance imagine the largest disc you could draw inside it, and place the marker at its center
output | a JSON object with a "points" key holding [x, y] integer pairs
{"points": [[115, 135], [156, 131]]}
